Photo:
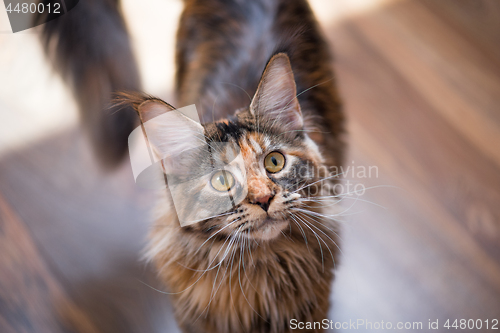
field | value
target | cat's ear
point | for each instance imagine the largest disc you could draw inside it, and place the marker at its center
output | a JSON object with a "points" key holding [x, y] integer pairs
{"points": [[170, 132], [275, 103]]}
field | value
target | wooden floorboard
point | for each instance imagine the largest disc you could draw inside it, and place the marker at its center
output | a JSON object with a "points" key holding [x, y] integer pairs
{"points": [[31, 297], [423, 106], [91, 227]]}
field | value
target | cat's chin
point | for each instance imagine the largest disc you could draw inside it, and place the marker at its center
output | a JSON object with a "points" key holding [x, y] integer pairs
{"points": [[269, 229]]}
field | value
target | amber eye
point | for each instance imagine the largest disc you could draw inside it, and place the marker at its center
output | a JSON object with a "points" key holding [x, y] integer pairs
{"points": [[222, 181], [274, 162]]}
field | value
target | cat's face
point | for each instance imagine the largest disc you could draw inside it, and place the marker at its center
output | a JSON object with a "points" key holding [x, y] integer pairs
{"points": [[246, 177], [262, 182]]}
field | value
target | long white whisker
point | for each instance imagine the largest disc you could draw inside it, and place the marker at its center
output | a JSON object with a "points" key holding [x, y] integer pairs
{"points": [[321, 180], [320, 247], [334, 242], [230, 223], [301, 231], [329, 250], [297, 95]]}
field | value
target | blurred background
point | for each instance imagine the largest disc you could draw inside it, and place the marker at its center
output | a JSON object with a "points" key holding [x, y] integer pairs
{"points": [[421, 84]]}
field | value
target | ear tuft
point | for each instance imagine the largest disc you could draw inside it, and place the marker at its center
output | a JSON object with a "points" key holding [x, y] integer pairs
{"points": [[146, 106], [169, 131], [275, 102]]}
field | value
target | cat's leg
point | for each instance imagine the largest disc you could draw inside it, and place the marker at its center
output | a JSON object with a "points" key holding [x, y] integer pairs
{"points": [[90, 47]]}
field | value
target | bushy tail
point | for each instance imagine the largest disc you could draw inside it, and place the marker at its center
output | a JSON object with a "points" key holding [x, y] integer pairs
{"points": [[91, 49]]}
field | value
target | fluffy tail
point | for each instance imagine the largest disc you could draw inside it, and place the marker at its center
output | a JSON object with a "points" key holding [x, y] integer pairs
{"points": [[91, 49]]}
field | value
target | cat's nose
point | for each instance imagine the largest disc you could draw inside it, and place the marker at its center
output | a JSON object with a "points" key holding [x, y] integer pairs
{"points": [[264, 201]]}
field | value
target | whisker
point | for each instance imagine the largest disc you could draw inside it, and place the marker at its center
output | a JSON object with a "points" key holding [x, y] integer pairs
{"points": [[212, 217], [237, 86], [302, 232], [232, 222], [320, 247], [321, 180], [179, 292], [333, 241], [230, 284], [209, 268], [239, 278], [213, 294], [297, 95], [329, 250]]}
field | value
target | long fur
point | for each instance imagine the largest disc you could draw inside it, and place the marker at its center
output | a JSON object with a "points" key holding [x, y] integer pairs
{"points": [[90, 47], [227, 286], [222, 50], [223, 47], [248, 269]]}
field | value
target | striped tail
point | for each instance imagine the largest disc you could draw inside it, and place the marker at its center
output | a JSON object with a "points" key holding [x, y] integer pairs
{"points": [[90, 47]]}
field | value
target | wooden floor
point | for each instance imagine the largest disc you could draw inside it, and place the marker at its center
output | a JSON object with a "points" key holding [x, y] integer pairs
{"points": [[421, 85]]}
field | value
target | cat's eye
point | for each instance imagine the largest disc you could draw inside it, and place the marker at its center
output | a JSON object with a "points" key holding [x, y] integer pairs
{"points": [[222, 181], [274, 162]]}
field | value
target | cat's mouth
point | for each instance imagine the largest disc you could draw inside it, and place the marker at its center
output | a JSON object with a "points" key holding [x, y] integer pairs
{"points": [[267, 224], [267, 228], [268, 220]]}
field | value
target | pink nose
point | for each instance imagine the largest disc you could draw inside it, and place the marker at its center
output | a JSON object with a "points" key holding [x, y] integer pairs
{"points": [[264, 201]]}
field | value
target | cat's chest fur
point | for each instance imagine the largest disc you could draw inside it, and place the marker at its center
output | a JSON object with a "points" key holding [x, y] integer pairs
{"points": [[245, 286], [224, 50]]}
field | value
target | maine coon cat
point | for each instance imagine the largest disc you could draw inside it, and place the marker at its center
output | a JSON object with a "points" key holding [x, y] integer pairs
{"points": [[259, 73]]}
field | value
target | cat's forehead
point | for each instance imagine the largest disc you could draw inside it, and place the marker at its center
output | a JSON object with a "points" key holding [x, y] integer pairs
{"points": [[251, 136], [250, 143], [253, 143]]}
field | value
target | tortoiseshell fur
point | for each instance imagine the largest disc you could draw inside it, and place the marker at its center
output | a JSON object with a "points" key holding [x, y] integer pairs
{"points": [[242, 62], [250, 283]]}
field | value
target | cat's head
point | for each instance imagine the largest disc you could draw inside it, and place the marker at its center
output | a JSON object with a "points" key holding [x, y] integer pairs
{"points": [[247, 175]]}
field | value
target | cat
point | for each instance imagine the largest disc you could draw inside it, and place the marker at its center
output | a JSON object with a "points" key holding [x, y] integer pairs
{"points": [[259, 73]]}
